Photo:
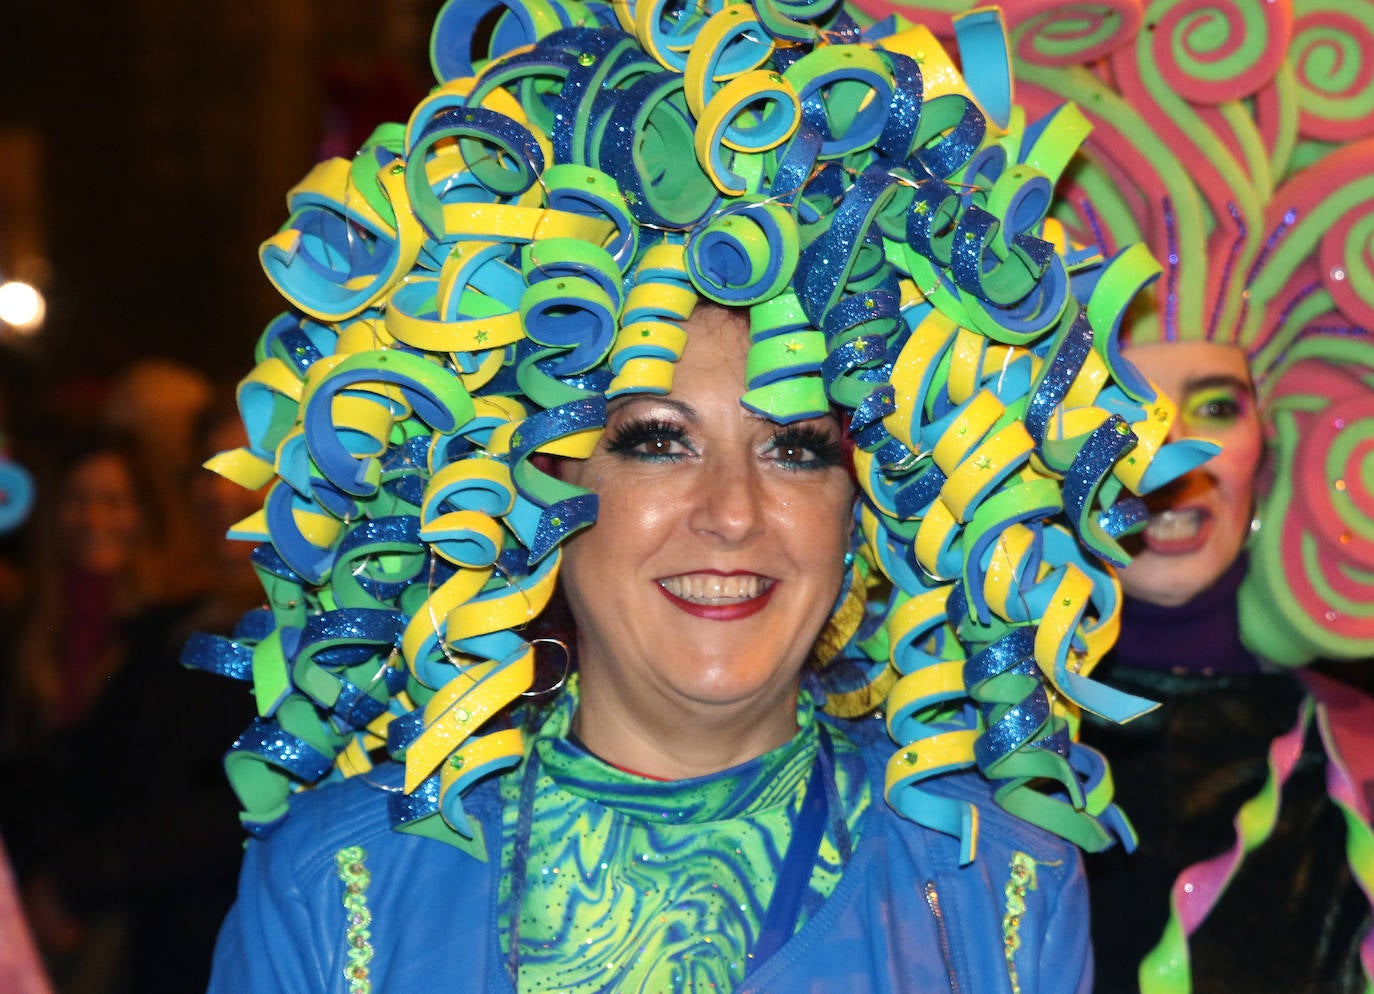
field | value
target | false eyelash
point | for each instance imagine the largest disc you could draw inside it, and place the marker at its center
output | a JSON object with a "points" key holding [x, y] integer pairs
{"points": [[827, 449], [624, 438]]}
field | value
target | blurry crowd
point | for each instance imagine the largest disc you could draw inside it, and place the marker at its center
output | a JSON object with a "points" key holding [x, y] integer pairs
{"points": [[119, 824]]}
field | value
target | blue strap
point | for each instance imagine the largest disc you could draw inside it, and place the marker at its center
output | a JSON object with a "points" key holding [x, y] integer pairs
{"points": [[794, 876]]}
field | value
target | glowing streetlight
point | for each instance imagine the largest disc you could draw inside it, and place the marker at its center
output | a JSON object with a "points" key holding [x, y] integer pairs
{"points": [[21, 306]]}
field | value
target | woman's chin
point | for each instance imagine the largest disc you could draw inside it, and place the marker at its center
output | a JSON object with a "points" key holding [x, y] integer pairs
{"points": [[728, 687], [1171, 579]]}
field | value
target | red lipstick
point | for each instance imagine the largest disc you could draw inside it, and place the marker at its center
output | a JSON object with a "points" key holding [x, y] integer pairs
{"points": [[1181, 546], [721, 612]]}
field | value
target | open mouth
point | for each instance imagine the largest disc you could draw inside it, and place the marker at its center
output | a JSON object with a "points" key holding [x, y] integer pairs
{"points": [[1177, 531], [711, 588], [718, 596]]}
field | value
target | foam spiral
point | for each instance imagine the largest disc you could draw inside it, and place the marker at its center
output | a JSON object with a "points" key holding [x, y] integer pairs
{"points": [[1057, 34], [1331, 40], [1315, 548], [1209, 51]]}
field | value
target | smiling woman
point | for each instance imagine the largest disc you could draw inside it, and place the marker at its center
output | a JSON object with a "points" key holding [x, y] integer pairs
{"points": [[718, 556], [748, 331]]}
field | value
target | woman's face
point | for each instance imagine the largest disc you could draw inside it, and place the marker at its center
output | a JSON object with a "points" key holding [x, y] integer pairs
{"points": [[1199, 523], [98, 514], [718, 549], [221, 503]]}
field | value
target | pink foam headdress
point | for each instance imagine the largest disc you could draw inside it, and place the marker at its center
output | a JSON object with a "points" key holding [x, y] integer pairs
{"points": [[1236, 139]]}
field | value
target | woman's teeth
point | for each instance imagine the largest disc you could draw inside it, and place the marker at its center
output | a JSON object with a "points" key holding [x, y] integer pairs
{"points": [[1174, 526], [711, 589]]}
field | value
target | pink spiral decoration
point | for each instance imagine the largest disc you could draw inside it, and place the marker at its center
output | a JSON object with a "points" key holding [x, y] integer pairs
{"points": [[1332, 42], [1347, 260], [1310, 592], [1211, 51], [1329, 206], [1054, 33]]}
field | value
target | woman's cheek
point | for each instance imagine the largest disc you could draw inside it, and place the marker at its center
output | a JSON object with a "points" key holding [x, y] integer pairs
{"points": [[1242, 454]]}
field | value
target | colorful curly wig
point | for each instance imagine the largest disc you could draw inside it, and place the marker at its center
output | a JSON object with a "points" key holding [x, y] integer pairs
{"points": [[468, 291]]}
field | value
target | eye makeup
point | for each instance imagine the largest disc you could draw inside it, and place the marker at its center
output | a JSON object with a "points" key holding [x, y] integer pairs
{"points": [[649, 438], [807, 447], [659, 436], [1218, 401]]}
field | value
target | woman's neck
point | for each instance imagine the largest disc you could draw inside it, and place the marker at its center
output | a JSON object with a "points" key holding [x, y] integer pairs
{"points": [[1201, 636], [677, 742]]}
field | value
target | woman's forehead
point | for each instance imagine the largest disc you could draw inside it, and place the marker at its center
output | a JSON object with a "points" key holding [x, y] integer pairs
{"points": [[683, 408], [1174, 364], [716, 328]]}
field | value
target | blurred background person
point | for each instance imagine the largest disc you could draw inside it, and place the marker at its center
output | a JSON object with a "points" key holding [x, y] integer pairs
{"points": [[217, 505], [100, 572], [102, 701]]}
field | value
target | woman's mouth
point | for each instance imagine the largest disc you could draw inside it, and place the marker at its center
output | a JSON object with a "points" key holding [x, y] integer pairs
{"points": [[1178, 532], [718, 596]]}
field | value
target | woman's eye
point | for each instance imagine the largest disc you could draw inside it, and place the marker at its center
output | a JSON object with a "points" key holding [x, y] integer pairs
{"points": [[648, 441], [1214, 407], [805, 448], [656, 446]]}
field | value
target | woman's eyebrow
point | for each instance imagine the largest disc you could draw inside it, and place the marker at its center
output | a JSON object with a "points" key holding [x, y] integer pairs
{"points": [[1215, 380], [683, 409], [753, 417]]}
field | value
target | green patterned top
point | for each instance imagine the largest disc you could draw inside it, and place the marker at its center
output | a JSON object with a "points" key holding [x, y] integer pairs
{"points": [[634, 884]]}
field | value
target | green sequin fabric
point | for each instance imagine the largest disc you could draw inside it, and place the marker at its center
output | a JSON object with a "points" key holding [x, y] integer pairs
{"points": [[354, 875]]}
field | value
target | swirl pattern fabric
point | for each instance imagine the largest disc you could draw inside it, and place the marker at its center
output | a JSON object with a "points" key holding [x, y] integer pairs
{"points": [[613, 881]]}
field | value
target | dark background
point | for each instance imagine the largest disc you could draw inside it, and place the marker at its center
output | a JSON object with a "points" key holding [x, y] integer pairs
{"points": [[146, 148]]}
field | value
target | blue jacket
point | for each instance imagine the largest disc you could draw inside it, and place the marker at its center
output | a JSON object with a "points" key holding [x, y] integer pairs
{"points": [[905, 917]]}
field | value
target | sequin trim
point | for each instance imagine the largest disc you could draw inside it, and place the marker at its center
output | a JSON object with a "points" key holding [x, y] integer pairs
{"points": [[1022, 879], [358, 936]]}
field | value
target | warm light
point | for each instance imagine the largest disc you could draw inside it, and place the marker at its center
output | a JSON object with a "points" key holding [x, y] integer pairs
{"points": [[21, 306]]}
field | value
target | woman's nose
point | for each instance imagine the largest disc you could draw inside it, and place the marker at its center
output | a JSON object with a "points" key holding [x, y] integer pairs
{"points": [[729, 502], [1177, 430]]}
